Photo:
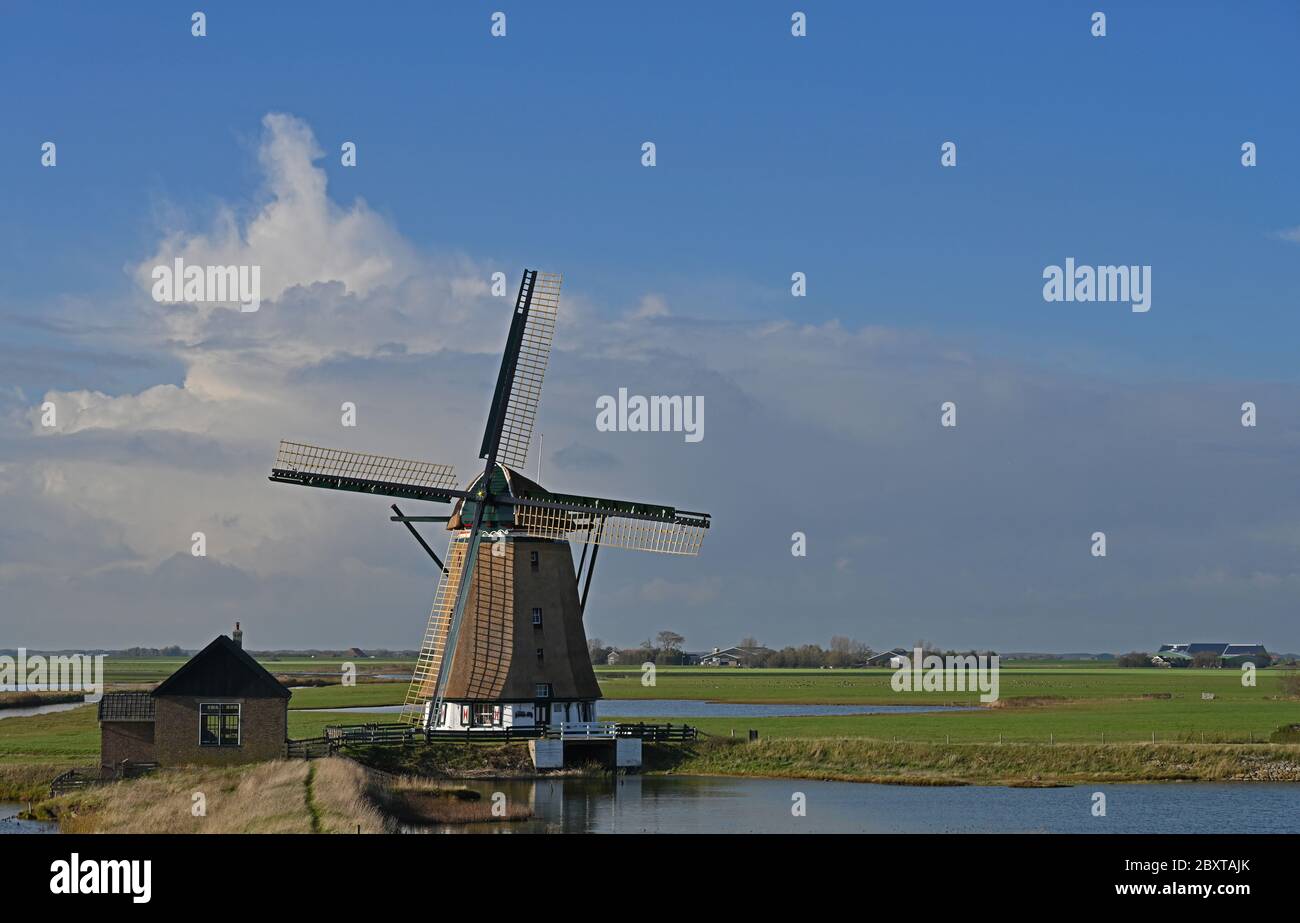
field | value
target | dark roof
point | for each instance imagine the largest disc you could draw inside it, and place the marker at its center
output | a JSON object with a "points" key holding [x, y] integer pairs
{"points": [[1222, 648], [736, 651], [503, 481], [896, 652], [126, 706], [223, 669]]}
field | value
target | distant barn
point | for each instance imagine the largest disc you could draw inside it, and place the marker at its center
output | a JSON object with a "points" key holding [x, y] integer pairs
{"points": [[219, 708], [728, 656], [1182, 654]]}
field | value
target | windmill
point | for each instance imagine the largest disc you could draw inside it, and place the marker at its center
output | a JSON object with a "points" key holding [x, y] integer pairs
{"points": [[505, 645]]}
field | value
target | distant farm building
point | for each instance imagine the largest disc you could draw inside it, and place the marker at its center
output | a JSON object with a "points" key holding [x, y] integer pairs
{"points": [[892, 659], [728, 657], [221, 707], [1182, 654]]}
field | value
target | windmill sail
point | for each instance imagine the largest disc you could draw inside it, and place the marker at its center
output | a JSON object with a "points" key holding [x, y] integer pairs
{"points": [[424, 680], [341, 469], [613, 523], [523, 367]]}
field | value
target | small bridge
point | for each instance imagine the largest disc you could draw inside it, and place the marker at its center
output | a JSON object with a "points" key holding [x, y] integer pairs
{"points": [[337, 736]]}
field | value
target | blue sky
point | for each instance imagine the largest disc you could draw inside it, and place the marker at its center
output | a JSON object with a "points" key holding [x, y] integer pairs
{"points": [[817, 154], [775, 154]]}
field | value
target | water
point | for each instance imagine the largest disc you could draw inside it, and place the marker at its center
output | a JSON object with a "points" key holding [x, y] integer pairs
{"points": [[711, 804], [9, 822], [716, 804], [27, 712], [691, 708]]}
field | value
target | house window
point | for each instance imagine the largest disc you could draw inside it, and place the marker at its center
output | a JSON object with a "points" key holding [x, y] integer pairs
{"points": [[533, 561], [537, 618], [483, 715], [539, 653], [464, 716], [219, 725], [543, 691]]}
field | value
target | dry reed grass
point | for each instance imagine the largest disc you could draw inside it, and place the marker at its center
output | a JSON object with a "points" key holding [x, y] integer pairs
{"points": [[333, 795]]}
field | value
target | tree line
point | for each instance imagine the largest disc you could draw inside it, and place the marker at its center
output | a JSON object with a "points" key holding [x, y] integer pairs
{"points": [[666, 649]]}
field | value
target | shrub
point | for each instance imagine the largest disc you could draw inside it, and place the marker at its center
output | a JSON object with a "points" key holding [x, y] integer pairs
{"points": [[1291, 685], [1133, 659]]}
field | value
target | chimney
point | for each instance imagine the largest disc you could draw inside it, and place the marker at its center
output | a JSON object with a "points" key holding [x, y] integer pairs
{"points": [[237, 636]]}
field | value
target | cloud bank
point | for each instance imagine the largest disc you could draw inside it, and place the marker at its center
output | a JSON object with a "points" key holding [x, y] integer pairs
{"points": [[978, 535]]}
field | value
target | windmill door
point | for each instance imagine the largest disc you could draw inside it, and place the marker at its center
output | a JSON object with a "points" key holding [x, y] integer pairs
{"points": [[542, 713]]}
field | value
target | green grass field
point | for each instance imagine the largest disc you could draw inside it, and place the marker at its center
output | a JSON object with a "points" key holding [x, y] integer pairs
{"points": [[1037, 704], [1069, 704], [155, 669]]}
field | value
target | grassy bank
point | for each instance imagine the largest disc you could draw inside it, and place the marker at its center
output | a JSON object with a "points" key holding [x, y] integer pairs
{"points": [[448, 760], [979, 764], [27, 782], [325, 796]]}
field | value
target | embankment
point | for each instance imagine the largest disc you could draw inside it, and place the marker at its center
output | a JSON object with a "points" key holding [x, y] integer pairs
{"points": [[866, 760], [332, 795]]}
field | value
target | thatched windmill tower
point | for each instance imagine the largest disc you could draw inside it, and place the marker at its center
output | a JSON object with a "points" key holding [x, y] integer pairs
{"points": [[505, 646]]}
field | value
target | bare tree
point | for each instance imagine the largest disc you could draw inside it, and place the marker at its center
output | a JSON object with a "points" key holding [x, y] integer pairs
{"points": [[670, 640]]}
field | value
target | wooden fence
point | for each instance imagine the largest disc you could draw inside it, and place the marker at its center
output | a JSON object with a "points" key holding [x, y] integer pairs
{"points": [[337, 736]]}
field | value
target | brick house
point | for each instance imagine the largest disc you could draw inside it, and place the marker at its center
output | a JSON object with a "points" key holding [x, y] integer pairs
{"points": [[221, 707]]}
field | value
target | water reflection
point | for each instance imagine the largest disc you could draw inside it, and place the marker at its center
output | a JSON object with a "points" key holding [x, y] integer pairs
{"points": [[690, 804], [9, 822]]}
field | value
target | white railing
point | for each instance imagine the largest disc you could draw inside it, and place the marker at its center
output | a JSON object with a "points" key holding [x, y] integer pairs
{"points": [[582, 730]]}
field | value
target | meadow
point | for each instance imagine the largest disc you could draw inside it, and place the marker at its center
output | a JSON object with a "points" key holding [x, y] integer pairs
{"points": [[150, 670], [1040, 705]]}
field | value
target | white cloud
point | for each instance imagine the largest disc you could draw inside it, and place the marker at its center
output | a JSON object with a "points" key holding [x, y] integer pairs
{"points": [[299, 236], [827, 428]]}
